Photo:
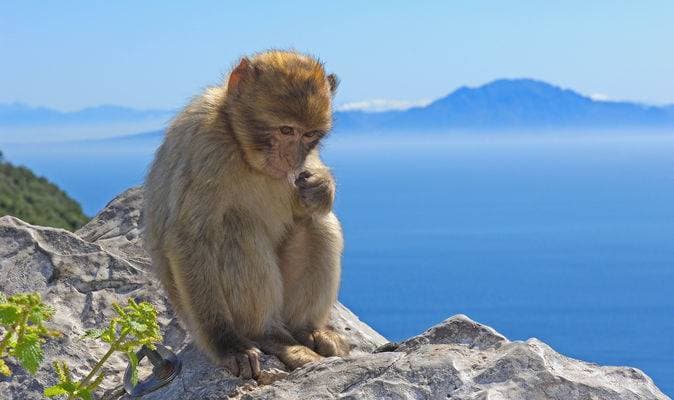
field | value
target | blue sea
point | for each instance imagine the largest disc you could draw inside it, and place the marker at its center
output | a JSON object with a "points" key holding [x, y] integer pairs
{"points": [[566, 237]]}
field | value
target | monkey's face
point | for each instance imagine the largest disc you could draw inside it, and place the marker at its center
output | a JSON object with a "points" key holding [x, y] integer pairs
{"points": [[288, 148], [280, 108], [276, 141]]}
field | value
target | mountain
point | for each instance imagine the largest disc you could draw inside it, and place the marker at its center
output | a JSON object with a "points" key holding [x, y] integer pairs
{"points": [[18, 114], [511, 104], [20, 123], [36, 200], [504, 104]]}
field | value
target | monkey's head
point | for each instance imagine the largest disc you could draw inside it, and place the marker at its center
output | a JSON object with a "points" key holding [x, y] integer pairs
{"points": [[279, 105]]}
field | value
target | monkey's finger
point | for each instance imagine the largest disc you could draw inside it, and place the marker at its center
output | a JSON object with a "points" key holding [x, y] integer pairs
{"points": [[304, 175], [342, 347], [229, 363], [310, 341], [254, 359], [244, 366], [306, 179], [325, 345], [314, 194]]}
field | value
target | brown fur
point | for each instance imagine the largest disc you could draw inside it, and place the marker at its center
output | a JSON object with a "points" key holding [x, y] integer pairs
{"points": [[238, 215]]}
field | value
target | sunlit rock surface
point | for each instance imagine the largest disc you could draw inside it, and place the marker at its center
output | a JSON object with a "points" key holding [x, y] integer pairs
{"points": [[82, 274]]}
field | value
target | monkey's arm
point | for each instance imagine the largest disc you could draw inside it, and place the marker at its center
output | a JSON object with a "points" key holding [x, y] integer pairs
{"points": [[315, 188], [310, 263]]}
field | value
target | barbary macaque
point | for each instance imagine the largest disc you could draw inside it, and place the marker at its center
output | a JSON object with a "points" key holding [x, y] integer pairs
{"points": [[238, 215]]}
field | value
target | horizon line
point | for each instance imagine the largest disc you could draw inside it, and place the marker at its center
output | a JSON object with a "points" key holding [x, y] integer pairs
{"points": [[372, 105]]}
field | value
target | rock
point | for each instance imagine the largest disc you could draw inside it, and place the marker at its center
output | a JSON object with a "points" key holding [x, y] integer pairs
{"points": [[116, 227], [462, 359], [82, 274]]}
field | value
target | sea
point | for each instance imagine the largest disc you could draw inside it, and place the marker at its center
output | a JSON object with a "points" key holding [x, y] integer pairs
{"points": [[567, 237]]}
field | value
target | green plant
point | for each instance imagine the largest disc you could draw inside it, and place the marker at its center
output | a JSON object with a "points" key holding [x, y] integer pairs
{"points": [[134, 326], [36, 200], [22, 318]]}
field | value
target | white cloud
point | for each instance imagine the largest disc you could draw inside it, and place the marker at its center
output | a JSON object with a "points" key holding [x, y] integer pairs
{"points": [[378, 105], [599, 97]]}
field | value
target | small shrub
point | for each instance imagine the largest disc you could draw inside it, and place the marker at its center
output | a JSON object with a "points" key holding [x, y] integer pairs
{"points": [[22, 318], [134, 326]]}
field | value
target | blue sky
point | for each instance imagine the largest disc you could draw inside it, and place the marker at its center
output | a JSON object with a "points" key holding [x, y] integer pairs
{"points": [[156, 54]]}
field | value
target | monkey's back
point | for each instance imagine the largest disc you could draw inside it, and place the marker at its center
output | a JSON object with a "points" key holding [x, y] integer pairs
{"points": [[177, 159], [198, 173]]}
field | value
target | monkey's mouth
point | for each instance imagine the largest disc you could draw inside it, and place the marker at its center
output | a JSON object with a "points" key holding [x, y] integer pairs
{"points": [[279, 171]]}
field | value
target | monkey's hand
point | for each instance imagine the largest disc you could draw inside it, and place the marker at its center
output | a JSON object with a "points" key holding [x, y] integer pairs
{"points": [[244, 364], [316, 190]]}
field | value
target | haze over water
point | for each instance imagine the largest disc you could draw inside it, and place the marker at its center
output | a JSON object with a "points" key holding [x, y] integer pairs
{"points": [[565, 237]]}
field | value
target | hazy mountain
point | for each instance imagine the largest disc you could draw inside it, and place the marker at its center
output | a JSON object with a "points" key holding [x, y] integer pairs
{"points": [[500, 105], [20, 123], [512, 104], [18, 114]]}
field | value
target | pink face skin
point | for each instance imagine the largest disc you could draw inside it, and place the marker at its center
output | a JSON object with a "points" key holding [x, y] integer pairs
{"points": [[289, 147]]}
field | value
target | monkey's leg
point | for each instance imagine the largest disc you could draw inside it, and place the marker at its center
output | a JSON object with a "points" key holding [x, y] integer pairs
{"points": [[162, 269], [230, 287], [311, 265], [210, 321]]}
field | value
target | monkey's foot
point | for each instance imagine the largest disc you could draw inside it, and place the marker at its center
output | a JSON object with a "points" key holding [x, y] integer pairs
{"points": [[245, 364], [326, 342], [296, 356]]}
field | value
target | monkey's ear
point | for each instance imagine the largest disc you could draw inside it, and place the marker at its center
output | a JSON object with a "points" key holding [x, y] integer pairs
{"points": [[333, 80], [239, 74]]}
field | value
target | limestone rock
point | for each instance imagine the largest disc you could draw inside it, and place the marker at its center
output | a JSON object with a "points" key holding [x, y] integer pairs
{"points": [[462, 359], [82, 274]]}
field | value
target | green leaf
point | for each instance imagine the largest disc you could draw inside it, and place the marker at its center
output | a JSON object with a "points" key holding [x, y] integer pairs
{"points": [[41, 313], [119, 309], [29, 352], [54, 391], [108, 335], [4, 369], [137, 326], [70, 387], [62, 371], [9, 314], [85, 394], [133, 364], [92, 334]]}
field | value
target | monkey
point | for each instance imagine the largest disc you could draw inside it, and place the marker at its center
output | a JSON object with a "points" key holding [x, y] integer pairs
{"points": [[238, 216]]}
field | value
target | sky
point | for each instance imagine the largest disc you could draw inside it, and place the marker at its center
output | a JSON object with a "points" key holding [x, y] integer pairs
{"points": [[157, 54]]}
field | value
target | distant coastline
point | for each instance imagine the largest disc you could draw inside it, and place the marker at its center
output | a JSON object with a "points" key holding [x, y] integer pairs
{"points": [[498, 106]]}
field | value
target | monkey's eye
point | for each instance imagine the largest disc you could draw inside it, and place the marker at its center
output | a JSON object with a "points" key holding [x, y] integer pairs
{"points": [[311, 134], [287, 130]]}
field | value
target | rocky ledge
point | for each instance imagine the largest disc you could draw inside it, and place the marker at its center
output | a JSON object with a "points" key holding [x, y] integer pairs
{"points": [[82, 274]]}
